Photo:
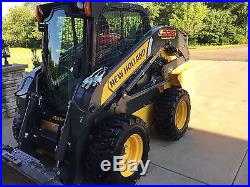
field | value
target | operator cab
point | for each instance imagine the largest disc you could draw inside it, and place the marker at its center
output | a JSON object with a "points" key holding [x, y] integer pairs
{"points": [[79, 38]]}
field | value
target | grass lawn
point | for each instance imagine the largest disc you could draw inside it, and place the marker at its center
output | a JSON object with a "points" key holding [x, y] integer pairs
{"points": [[22, 56], [211, 47]]}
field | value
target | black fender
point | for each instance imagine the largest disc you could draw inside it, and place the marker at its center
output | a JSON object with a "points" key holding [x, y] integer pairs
{"points": [[27, 85]]}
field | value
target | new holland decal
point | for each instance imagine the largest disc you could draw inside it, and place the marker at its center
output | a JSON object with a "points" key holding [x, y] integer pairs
{"points": [[114, 81], [125, 71]]}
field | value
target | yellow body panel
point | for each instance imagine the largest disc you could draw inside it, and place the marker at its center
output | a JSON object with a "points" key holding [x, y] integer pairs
{"points": [[181, 68], [167, 56], [180, 75], [177, 75], [124, 72], [145, 114]]}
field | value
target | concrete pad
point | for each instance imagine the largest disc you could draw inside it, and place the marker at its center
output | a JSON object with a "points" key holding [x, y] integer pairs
{"points": [[242, 176], [219, 97], [7, 136], [204, 156], [158, 175]]}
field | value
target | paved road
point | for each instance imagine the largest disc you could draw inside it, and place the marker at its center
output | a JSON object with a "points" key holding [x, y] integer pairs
{"points": [[215, 148], [238, 54]]}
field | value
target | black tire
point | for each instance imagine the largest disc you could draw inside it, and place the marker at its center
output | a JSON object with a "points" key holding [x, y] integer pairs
{"points": [[17, 123], [165, 110], [109, 141]]}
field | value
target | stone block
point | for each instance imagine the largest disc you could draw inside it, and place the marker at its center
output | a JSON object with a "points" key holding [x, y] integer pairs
{"points": [[11, 78]]}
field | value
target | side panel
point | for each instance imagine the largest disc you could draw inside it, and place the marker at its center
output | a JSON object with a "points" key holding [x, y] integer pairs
{"points": [[180, 76], [145, 114]]}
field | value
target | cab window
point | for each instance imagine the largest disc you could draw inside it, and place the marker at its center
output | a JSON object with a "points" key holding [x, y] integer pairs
{"points": [[117, 32]]}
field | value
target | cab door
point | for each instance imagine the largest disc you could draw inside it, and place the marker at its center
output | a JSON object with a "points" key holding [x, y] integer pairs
{"points": [[65, 46]]}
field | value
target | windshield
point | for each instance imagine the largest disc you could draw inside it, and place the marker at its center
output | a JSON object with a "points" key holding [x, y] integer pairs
{"points": [[65, 42]]}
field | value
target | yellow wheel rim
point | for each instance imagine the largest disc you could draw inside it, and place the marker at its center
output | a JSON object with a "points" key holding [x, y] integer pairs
{"points": [[133, 149], [181, 114]]}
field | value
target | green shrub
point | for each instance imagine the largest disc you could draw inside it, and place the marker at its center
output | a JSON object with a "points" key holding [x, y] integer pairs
{"points": [[219, 28]]}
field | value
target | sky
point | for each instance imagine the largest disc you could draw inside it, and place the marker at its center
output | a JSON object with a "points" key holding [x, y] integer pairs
{"points": [[7, 5]]}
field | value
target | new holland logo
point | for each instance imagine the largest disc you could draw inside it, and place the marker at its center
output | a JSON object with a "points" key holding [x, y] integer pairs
{"points": [[125, 70], [122, 73]]}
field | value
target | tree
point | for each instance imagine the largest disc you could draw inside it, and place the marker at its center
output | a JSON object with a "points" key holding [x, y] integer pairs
{"points": [[239, 10], [219, 28], [32, 5], [188, 17], [205, 23], [20, 27], [154, 10]]}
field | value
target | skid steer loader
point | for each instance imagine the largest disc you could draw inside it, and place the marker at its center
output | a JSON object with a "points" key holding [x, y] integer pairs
{"points": [[106, 78]]}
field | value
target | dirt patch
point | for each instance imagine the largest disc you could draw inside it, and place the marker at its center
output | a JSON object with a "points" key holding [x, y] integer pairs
{"points": [[229, 54]]}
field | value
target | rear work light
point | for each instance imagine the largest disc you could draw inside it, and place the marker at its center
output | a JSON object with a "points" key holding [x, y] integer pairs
{"points": [[87, 9]]}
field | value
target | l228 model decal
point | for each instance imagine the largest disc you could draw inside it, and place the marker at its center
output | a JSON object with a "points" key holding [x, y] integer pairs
{"points": [[167, 34]]}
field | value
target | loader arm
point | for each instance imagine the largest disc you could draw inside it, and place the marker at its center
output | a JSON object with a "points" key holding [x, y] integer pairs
{"points": [[146, 52]]}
